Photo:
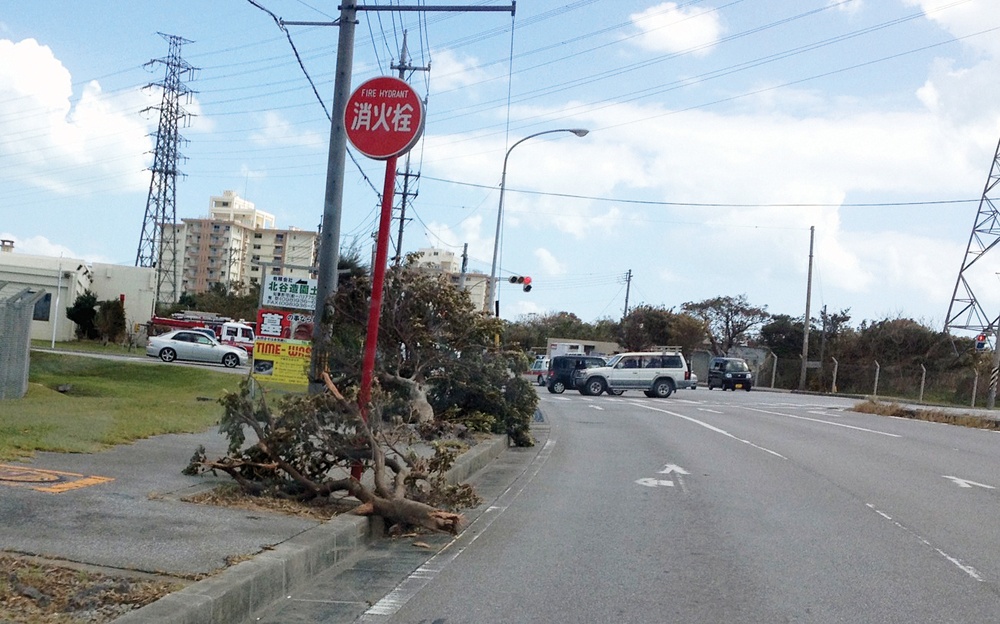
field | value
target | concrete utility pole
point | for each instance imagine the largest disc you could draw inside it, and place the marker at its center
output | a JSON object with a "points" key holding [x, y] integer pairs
{"points": [[805, 324], [403, 67], [628, 287]]}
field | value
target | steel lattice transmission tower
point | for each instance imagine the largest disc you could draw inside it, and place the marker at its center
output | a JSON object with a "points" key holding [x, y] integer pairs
{"points": [[965, 312], [158, 242]]}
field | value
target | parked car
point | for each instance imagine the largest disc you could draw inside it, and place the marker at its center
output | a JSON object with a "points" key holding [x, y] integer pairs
{"points": [[563, 368], [729, 374], [193, 346], [538, 370], [657, 374]]}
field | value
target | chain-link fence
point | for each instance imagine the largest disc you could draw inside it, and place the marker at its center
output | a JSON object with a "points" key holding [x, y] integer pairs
{"points": [[15, 341]]}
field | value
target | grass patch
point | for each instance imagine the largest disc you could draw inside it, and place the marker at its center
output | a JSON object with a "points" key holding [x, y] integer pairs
{"points": [[108, 403], [930, 415], [90, 346]]}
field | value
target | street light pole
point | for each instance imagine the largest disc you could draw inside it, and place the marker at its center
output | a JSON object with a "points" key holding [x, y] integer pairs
{"points": [[491, 289]]}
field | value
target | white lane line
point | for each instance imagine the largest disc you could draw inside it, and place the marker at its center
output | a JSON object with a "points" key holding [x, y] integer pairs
{"points": [[388, 606], [826, 422], [823, 414], [971, 571], [711, 428], [965, 483], [711, 411]]}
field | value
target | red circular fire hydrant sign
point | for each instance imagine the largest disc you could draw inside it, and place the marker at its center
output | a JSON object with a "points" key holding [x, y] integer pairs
{"points": [[384, 118]]}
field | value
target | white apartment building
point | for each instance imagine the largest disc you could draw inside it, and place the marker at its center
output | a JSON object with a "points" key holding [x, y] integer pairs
{"points": [[444, 261], [235, 245]]}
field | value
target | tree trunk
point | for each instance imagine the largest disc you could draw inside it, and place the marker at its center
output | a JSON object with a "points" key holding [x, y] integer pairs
{"points": [[420, 407], [406, 511]]}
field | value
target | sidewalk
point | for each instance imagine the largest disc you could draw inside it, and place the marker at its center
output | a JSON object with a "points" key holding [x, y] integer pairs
{"points": [[120, 509]]}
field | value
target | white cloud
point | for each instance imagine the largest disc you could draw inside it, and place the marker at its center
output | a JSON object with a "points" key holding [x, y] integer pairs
{"points": [[669, 27], [38, 246], [847, 6], [276, 130], [451, 70], [98, 143], [550, 265]]}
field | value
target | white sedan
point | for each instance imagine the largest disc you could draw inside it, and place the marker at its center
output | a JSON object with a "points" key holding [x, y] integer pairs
{"points": [[183, 344]]}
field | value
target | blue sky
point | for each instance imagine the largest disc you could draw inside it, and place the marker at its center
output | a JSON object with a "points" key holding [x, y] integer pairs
{"points": [[720, 131]]}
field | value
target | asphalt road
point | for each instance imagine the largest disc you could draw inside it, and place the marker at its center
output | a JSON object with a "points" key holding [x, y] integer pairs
{"points": [[729, 507]]}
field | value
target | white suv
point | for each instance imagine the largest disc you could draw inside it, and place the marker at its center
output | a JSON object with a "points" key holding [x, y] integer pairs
{"points": [[657, 373]]}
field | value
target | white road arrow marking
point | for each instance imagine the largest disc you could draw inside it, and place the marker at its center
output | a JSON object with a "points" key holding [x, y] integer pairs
{"points": [[651, 482], [965, 483], [668, 468]]}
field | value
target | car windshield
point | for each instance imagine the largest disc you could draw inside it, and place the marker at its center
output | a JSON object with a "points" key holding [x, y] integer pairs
{"points": [[614, 360], [737, 366]]}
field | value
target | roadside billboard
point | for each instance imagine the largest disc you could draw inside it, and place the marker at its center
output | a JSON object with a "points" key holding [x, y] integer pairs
{"points": [[283, 349], [280, 291], [284, 361], [284, 324]]}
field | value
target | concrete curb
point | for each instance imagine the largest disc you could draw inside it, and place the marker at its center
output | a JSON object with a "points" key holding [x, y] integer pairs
{"points": [[233, 595]]}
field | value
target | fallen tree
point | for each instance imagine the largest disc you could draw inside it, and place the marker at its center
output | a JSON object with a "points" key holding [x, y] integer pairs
{"points": [[442, 381], [305, 449]]}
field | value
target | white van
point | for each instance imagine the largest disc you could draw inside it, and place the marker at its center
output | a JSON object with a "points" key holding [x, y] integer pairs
{"points": [[538, 370]]}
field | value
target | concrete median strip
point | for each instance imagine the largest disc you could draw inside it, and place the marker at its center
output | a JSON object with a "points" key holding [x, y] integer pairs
{"points": [[233, 595]]}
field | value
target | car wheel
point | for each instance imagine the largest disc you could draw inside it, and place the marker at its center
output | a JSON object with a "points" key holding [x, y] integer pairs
{"points": [[663, 388], [168, 355], [541, 380], [615, 392], [593, 387], [230, 360], [748, 388], [649, 393], [557, 387]]}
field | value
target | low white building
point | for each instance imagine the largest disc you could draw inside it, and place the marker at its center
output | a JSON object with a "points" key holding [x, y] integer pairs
{"points": [[64, 279], [447, 263]]}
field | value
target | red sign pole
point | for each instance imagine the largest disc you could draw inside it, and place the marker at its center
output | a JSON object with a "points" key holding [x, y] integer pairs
{"points": [[375, 309], [378, 280], [384, 118]]}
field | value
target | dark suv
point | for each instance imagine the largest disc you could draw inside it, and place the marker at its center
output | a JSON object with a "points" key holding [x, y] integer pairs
{"points": [[729, 373], [562, 369]]}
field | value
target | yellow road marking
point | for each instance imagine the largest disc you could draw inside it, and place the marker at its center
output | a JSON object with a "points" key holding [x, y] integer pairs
{"points": [[50, 481]]}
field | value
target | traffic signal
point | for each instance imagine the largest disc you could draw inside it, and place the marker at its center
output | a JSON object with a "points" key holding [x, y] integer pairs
{"points": [[524, 280]]}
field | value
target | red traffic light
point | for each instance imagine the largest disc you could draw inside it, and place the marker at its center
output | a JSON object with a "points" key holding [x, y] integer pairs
{"points": [[524, 280]]}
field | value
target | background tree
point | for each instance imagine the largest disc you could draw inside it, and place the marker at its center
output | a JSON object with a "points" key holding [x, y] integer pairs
{"points": [[728, 321], [782, 334], [645, 326], [229, 301], [687, 332], [110, 320], [83, 312]]}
